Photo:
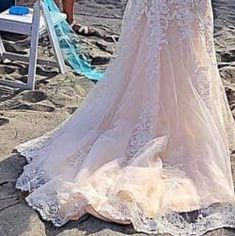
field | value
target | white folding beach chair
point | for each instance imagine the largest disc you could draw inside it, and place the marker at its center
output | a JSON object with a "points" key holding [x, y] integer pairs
{"points": [[34, 24]]}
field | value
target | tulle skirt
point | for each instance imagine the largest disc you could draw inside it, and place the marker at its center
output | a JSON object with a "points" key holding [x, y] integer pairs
{"points": [[150, 144]]}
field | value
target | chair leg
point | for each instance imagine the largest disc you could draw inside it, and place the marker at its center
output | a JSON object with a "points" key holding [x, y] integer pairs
{"points": [[53, 39], [34, 47], [2, 50]]}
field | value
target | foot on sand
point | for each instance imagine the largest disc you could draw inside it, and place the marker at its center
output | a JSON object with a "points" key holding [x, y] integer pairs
{"points": [[85, 30]]}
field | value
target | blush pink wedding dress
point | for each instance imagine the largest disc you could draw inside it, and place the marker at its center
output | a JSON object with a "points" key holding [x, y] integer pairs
{"points": [[150, 144]]}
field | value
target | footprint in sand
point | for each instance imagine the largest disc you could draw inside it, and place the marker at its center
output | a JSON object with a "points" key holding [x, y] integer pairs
{"points": [[34, 107], [6, 70], [33, 96], [227, 56], [3, 121], [14, 48], [28, 100], [22, 70], [231, 97], [71, 110], [15, 104]]}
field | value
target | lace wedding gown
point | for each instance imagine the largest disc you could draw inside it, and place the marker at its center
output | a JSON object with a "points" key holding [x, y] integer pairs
{"points": [[150, 144]]}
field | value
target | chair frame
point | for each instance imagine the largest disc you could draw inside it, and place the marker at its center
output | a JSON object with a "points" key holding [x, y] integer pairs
{"points": [[33, 30]]}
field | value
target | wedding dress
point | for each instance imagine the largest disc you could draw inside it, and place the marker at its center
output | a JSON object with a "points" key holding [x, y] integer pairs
{"points": [[150, 144]]}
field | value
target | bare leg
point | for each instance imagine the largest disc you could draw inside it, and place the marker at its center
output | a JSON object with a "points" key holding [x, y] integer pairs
{"points": [[57, 2], [68, 6], [68, 9]]}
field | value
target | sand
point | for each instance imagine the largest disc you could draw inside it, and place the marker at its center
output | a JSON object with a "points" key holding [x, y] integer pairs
{"points": [[28, 114]]}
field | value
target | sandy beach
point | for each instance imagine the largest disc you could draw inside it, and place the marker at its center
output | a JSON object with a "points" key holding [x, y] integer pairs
{"points": [[28, 114]]}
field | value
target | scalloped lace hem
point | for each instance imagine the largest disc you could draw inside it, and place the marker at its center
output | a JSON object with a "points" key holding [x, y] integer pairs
{"points": [[61, 208]]}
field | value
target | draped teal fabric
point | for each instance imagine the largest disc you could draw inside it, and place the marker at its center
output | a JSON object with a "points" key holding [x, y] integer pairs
{"points": [[69, 44]]}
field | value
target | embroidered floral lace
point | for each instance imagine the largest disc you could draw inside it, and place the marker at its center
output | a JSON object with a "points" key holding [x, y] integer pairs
{"points": [[144, 142]]}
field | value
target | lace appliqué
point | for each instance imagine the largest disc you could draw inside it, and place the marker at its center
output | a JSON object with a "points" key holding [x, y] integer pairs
{"points": [[173, 169], [141, 134], [31, 179], [201, 82], [51, 206], [55, 208], [79, 157], [184, 15], [177, 224], [207, 31], [160, 12]]}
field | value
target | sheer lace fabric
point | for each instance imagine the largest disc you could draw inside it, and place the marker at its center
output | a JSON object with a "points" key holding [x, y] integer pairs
{"points": [[150, 144]]}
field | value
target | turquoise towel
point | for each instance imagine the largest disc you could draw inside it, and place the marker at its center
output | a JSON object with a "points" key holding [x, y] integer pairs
{"points": [[68, 41]]}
